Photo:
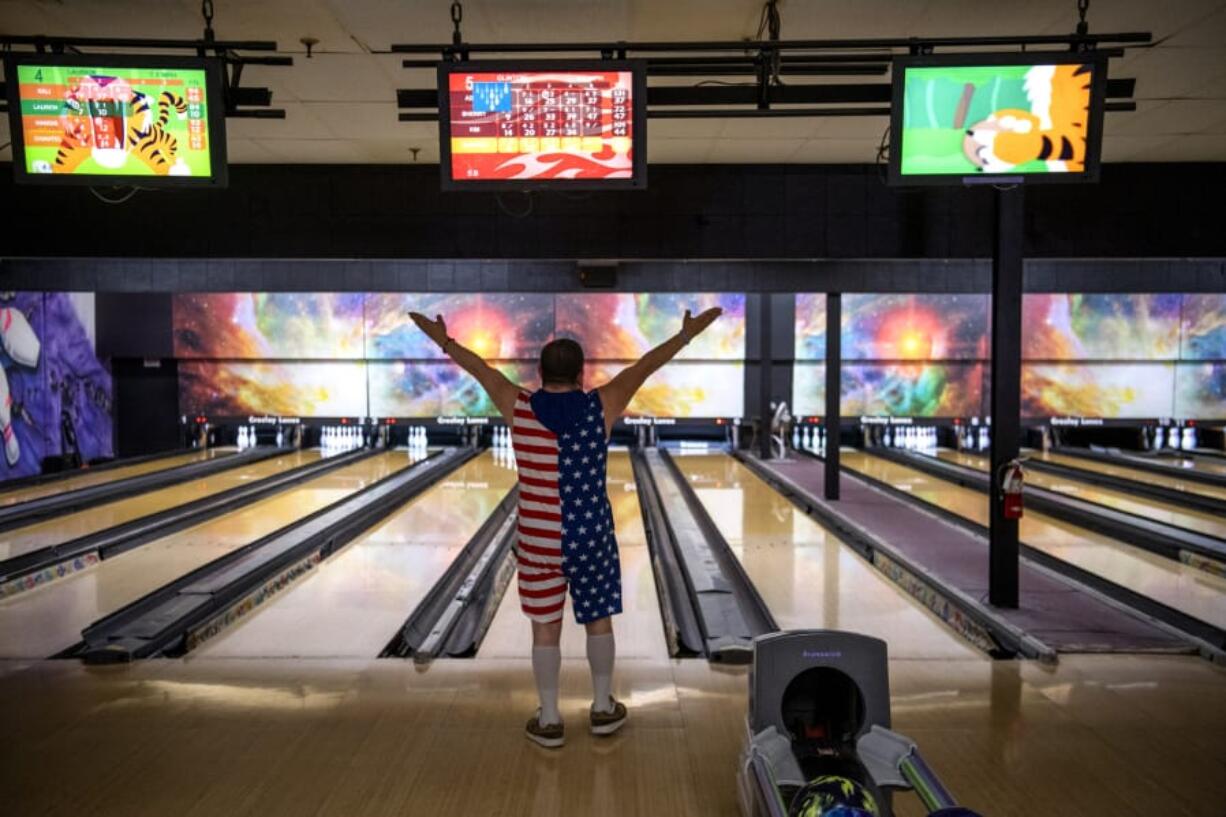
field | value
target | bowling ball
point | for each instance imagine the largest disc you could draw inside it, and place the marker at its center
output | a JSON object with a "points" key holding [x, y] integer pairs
{"points": [[834, 796]]}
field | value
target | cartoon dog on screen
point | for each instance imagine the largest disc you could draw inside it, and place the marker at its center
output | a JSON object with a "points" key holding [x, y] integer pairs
{"points": [[1052, 131]]}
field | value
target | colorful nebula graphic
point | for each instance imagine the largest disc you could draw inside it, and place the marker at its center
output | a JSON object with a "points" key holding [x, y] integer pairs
{"points": [[436, 389], [1200, 391], [407, 374], [915, 326], [681, 389], [625, 326], [1110, 390], [499, 326], [1096, 326], [266, 325], [913, 389], [1203, 332], [809, 390], [892, 389], [236, 389], [810, 326]]}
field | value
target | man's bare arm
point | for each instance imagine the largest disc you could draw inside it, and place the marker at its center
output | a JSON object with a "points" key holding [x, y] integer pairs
{"points": [[618, 392], [502, 391]]}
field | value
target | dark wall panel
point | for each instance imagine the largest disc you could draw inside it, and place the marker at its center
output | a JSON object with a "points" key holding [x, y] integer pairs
{"points": [[126, 275], [146, 406], [703, 211], [136, 324]]}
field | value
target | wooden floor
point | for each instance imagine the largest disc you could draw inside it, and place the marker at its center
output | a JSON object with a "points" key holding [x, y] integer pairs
{"points": [[1098, 735], [1193, 591], [65, 526], [1135, 474], [50, 618], [228, 734], [87, 477], [1168, 513]]}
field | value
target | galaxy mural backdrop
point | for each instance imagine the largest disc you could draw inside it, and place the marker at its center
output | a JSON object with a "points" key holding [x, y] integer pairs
{"points": [[1117, 356], [358, 354], [55, 395], [913, 355]]}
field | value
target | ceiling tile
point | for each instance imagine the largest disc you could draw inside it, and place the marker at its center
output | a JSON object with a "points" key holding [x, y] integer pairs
{"points": [[345, 94]]}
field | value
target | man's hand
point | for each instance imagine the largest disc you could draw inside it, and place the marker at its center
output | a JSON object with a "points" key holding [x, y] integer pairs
{"points": [[435, 329], [691, 326]]}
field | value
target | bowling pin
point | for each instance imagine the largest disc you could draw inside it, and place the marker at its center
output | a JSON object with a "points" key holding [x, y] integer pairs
{"points": [[12, 449], [18, 338], [1192, 443]]}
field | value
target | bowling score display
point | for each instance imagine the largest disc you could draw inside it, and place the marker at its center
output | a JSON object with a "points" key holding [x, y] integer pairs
{"points": [[997, 118], [116, 120], [575, 125]]}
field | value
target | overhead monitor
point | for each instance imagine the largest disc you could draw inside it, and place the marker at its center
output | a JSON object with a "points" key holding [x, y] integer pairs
{"points": [[574, 125], [116, 120], [997, 118]]}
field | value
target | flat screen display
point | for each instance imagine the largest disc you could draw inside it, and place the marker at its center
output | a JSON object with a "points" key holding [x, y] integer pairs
{"points": [[575, 125], [103, 120], [968, 118]]}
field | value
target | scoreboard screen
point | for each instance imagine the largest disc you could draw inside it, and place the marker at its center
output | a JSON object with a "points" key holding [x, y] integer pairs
{"points": [[92, 119], [542, 124]]}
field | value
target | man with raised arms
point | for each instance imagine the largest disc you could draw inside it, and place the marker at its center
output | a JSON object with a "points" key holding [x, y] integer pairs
{"points": [[560, 434]]}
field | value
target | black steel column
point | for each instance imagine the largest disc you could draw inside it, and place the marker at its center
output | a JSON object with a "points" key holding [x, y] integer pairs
{"points": [[765, 367], [834, 387], [1006, 389]]}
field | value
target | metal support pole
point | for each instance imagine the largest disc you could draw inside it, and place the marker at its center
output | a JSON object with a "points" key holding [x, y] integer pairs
{"points": [[834, 387], [1006, 390], [766, 356]]}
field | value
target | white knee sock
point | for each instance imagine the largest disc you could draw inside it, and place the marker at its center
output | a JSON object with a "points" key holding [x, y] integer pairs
{"points": [[600, 652], [546, 666]]}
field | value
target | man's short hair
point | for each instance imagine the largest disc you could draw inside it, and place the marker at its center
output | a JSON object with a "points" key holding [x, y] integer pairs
{"points": [[561, 362]]}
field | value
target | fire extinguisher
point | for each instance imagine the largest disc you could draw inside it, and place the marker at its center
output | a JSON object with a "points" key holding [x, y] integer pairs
{"points": [[1011, 484]]}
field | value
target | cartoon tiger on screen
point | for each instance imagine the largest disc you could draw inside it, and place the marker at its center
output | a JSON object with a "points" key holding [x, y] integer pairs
{"points": [[110, 141], [1052, 131]]}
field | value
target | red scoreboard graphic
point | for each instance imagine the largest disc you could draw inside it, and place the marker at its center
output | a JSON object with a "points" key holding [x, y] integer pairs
{"points": [[533, 125]]}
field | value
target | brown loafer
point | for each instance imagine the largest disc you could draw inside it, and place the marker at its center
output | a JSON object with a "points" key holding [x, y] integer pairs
{"points": [[606, 723], [549, 735]]}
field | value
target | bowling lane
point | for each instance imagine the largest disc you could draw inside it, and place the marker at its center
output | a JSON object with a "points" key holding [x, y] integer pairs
{"points": [[88, 477], [352, 605], [72, 525], [639, 628], [1176, 585], [1210, 524], [807, 576], [43, 621], [1207, 465], [1134, 474]]}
